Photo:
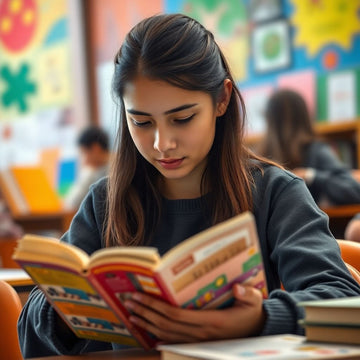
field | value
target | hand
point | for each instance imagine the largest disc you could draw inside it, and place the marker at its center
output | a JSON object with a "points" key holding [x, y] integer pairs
{"points": [[171, 324]]}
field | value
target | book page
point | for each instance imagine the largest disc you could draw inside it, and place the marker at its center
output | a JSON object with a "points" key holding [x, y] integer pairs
{"points": [[141, 255], [117, 282], [50, 250], [276, 347], [80, 305], [203, 276]]}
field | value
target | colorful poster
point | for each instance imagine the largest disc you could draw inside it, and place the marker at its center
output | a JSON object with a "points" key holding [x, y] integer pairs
{"points": [[303, 82], [34, 61], [228, 21], [341, 96], [255, 101], [338, 96], [271, 46], [322, 22]]}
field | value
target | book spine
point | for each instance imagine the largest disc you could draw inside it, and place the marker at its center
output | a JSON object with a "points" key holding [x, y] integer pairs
{"points": [[166, 294]]}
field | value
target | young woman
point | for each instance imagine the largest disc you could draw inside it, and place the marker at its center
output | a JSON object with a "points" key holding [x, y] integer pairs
{"points": [[291, 141], [180, 167]]}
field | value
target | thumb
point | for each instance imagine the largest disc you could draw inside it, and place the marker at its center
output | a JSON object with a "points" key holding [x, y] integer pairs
{"points": [[239, 291], [246, 294]]}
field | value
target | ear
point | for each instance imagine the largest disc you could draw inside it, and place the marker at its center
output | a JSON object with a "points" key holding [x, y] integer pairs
{"points": [[224, 100]]}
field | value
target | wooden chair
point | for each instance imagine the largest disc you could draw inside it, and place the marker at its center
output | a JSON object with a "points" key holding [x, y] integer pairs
{"points": [[10, 306]]}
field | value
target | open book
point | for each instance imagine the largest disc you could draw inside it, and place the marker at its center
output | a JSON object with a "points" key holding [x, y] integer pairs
{"points": [[88, 292], [275, 347]]}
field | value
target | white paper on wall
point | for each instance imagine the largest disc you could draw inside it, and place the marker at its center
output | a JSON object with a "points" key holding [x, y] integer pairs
{"points": [[341, 96]]}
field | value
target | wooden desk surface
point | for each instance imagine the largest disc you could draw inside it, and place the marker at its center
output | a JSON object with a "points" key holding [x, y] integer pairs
{"points": [[15, 277], [346, 211], [133, 354], [59, 221]]}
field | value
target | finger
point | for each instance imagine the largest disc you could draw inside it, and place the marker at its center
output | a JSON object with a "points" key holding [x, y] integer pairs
{"points": [[246, 295], [164, 334], [176, 314], [160, 320]]}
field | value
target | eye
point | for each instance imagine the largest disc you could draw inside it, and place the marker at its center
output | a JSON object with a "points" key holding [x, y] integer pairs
{"points": [[140, 123], [184, 120]]}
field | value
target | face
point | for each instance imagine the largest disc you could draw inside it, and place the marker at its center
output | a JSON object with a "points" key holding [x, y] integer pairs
{"points": [[173, 129], [91, 156]]}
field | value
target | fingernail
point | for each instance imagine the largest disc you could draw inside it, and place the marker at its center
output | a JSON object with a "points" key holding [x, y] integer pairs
{"points": [[241, 290], [136, 296], [129, 304]]}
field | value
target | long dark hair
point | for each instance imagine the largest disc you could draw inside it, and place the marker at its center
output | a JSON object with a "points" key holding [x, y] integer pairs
{"points": [[179, 50], [289, 129]]}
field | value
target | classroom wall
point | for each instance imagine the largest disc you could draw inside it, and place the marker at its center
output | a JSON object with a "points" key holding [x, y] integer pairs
{"points": [[52, 82], [310, 46], [43, 98]]}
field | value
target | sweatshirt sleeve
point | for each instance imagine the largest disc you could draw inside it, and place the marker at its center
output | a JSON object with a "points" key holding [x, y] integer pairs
{"points": [[332, 181], [299, 252]]}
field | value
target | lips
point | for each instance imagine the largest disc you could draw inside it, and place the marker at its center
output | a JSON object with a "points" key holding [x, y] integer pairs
{"points": [[170, 163]]}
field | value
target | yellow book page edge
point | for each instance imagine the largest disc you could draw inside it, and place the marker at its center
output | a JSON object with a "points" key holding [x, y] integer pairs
{"points": [[50, 250]]}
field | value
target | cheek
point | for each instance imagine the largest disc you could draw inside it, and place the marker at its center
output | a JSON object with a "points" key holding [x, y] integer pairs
{"points": [[141, 140]]}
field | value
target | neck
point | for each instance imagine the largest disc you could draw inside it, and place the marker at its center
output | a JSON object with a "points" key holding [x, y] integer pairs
{"points": [[176, 189]]}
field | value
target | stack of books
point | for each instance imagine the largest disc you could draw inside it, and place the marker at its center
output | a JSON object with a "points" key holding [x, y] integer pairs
{"points": [[332, 320]]}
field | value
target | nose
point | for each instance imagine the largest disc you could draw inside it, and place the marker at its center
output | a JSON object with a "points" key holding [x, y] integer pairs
{"points": [[164, 140]]}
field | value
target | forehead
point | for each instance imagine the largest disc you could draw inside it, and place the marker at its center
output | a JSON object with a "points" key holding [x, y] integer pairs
{"points": [[154, 96]]}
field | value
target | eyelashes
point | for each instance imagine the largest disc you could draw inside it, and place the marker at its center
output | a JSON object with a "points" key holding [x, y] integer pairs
{"points": [[140, 124], [184, 120], [176, 121]]}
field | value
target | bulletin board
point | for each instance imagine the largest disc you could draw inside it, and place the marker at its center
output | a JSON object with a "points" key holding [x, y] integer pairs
{"points": [[39, 108]]}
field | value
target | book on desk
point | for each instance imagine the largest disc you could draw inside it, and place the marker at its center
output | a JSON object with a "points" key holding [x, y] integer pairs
{"points": [[276, 347], [332, 320]]}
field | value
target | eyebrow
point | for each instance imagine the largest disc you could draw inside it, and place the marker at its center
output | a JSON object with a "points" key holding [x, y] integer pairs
{"points": [[171, 111]]}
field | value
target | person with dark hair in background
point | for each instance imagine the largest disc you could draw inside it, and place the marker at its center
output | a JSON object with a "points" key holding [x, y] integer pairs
{"points": [[181, 166], [290, 140], [93, 143]]}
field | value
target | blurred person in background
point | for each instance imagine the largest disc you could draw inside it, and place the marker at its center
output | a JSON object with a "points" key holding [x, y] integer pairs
{"points": [[291, 141], [8, 228], [352, 230], [93, 143]]}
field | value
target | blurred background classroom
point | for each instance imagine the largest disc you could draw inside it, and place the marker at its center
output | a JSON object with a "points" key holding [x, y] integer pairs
{"points": [[56, 64]]}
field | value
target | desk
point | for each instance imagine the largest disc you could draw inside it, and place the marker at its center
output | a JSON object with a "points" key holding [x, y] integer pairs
{"points": [[136, 354], [32, 223], [19, 280], [339, 216]]}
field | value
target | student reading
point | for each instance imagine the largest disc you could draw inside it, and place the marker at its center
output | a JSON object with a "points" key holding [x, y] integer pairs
{"points": [[180, 166], [291, 141]]}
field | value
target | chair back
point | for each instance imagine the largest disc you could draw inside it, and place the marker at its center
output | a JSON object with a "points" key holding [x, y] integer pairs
{"points": [[7, 247], [350, 252], [10, 306], [355, 273]]}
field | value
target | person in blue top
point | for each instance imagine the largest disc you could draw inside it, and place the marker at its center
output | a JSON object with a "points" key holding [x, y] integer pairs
{"points": [[291, 141], [180, 166]]}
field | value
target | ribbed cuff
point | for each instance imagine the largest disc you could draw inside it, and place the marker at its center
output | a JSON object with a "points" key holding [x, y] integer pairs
{"points": [[280, 319]]}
